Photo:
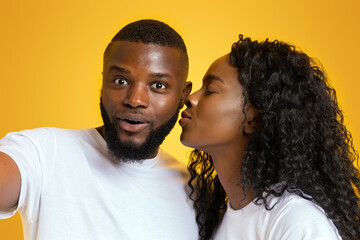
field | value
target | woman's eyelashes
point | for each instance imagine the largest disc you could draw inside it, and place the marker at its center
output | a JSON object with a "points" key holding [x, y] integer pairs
{"points": [[210, 89], [207, 92]]}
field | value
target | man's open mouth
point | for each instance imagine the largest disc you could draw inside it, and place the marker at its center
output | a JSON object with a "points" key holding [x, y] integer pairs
{"points": [[133, 122]]}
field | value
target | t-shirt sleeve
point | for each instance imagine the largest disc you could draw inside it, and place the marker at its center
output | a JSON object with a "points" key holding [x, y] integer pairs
{"points": [[303, 220], [33, 152]]}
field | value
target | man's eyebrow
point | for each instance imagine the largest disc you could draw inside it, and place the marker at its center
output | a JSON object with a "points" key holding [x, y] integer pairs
{"points": [[154, 75], [212, 77], [119, 69], [161, 75]]}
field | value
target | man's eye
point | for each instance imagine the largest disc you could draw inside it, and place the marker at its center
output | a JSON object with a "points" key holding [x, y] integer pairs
{"points": [[120, 81], [159, 85]]}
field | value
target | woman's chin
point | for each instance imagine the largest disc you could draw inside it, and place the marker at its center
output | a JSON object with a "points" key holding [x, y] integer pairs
{"points": [[187, 142], [191, 140]]}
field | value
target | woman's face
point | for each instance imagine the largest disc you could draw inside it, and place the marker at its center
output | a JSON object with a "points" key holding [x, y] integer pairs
{"points": [[214, 116]]}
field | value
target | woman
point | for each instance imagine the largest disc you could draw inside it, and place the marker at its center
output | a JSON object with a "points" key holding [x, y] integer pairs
{"points": [[269, 124]]}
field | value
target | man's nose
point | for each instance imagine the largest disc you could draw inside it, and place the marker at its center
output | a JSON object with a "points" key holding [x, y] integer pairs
{"points": [[137, 96]]}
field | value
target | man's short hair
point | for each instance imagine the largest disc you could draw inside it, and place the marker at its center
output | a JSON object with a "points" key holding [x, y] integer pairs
{"points": [[150, 31]]}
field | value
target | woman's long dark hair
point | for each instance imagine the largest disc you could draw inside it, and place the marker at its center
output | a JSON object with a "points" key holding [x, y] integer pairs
{"points": [[301, 146]]}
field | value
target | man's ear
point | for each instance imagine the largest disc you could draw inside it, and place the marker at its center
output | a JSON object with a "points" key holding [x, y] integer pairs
{"points": [[185, 92], [252, 122]]}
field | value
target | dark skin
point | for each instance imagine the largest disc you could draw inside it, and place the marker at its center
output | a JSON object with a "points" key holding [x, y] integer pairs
{"points": [[10, 183], [214, 122], [142, 87], [142, 83]]}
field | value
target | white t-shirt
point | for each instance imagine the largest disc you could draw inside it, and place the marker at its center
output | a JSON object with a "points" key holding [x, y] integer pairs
{"points": [[293, 218], [71, 189]]}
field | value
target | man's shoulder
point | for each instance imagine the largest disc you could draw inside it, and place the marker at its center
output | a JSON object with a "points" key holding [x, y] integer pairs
{"points": [[51, 134], [67, 131], [50, 130]]}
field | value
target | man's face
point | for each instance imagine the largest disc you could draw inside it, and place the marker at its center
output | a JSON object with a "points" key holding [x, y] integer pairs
{"points": [[142, 87]]}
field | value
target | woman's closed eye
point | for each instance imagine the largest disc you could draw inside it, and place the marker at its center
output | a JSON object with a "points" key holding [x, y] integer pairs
{"points": [[207, 92], [210, 90]]}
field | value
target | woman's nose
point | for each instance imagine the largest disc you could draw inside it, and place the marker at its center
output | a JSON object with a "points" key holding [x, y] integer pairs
{"points": [[192, 100]]}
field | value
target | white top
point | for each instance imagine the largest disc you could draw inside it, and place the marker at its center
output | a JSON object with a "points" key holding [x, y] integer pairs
{"points": [[293, 218], [71, 189]]}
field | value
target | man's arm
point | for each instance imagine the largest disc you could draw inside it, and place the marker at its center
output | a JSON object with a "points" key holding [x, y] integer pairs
{"points": [[10, 183]]}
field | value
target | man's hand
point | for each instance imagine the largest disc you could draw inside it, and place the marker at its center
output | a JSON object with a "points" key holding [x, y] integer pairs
{"points": [[10, 183]]}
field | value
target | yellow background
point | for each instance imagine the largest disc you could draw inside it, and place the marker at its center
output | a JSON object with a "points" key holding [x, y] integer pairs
{"points": [[51, 53]]}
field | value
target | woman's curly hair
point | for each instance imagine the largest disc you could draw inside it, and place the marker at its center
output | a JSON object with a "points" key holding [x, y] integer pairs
{"points": [[301, 145]]}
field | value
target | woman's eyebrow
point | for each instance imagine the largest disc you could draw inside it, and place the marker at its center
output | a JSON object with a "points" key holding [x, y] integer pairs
{"points": [[211, 77]]}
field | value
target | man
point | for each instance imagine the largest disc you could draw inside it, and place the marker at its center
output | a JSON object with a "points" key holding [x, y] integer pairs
{"points": [[112, 182]]}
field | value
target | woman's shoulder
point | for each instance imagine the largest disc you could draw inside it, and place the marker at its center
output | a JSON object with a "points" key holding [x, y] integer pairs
{"points": [[293, 214]]}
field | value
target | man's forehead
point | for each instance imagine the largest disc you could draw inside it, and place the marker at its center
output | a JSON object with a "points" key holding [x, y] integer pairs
{"points": [[148, 57], [118, 48], [138, 53]]}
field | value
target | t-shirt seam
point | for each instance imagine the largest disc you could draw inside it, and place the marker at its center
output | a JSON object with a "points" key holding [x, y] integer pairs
{"points": [[52, 167]]}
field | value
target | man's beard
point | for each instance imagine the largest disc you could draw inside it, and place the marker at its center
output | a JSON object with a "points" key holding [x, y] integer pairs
{"points": [[123, 151]]}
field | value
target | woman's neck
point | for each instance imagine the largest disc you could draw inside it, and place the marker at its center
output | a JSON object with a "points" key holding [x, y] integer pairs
{"points": [[227, 162]]}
